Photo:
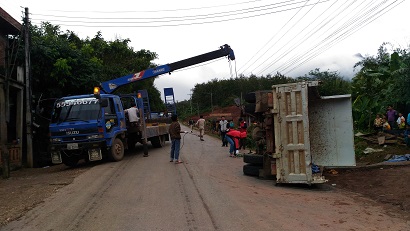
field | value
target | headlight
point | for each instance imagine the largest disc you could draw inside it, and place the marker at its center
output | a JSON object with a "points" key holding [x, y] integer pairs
{"points": [[97, 136], [55, 140]]}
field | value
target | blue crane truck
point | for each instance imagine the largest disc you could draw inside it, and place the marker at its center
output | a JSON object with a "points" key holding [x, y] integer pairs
{"points": [[95, 126]]}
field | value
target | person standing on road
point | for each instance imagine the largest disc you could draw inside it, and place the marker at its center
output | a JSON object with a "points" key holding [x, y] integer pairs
{"points": [[201, 126], [175, 134], [223, 125], [191, 124]]}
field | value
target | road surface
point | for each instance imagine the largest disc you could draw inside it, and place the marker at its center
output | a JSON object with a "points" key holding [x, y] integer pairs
{"points": [[206, 192]]}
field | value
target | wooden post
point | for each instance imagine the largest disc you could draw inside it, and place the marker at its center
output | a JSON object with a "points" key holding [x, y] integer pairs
{"points": [[29, 144], [5, 158]]}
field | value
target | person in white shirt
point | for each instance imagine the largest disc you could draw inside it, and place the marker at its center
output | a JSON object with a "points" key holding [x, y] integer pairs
{"points": [[201, 126], [223, 125], [132, 114]]}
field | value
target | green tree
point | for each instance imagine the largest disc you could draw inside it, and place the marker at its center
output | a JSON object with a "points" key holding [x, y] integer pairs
{"points": [[63, 64], [331, 82]]}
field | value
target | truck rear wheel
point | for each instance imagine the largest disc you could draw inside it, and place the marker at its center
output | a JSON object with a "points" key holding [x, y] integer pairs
{"points": [[158, 142], [117, 150], [253, 159], [251, 169]]}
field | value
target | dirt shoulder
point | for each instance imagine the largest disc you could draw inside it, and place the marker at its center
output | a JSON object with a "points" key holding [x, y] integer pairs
{"points": [[28, 187], [388, 185]]}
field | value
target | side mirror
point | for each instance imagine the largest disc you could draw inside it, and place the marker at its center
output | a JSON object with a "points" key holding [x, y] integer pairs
{"points": [[104, 102]]}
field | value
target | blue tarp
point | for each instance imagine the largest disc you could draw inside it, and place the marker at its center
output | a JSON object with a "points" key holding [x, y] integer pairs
{"points": [[398, 158]]}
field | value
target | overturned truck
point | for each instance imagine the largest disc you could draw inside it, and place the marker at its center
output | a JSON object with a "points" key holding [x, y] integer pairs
{"points": [[298, 133]]}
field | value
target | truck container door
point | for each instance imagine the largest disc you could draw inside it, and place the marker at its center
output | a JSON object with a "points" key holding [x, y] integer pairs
{"points": [[292, 142]]}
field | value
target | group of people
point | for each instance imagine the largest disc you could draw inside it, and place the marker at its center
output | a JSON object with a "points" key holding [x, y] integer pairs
{"points": [[393, 120], [229, 135], [235, 137]]}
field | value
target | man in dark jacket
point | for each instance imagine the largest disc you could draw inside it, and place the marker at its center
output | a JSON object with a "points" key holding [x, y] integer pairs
{"points": [[175, 134]]}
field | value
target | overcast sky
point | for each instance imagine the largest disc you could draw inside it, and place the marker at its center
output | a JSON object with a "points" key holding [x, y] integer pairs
{"points": [[291, 37]]}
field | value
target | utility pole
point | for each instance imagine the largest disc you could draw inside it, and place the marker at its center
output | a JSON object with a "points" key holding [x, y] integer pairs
{"points": [[190, 100], [212, 105], [29, 144]]}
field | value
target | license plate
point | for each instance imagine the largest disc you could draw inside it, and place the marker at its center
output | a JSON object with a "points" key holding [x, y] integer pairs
{"points": [[72, 146], [56, 158], [94, 154]]}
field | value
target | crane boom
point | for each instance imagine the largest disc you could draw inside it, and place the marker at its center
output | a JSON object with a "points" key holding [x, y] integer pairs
{"points": [[112, 85]]}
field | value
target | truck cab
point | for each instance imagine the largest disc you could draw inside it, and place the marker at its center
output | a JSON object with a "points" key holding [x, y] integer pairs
{"points": [[83, 126]]}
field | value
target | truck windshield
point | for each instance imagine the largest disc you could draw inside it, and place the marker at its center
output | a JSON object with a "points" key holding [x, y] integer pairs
{"points": [[83, 109]]}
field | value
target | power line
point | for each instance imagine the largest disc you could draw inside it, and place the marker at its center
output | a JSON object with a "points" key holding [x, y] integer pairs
{"points": [[289, 30], [241, 17], [302, 40], [155, 11], [269, 42], [352, 23], [347, 34]]}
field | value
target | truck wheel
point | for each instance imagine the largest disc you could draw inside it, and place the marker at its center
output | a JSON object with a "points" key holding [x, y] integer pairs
{"points": [[250, 108], [250, 97], [70, 161], [253, 159], [158, 141], [251, 170], [117, 150]]}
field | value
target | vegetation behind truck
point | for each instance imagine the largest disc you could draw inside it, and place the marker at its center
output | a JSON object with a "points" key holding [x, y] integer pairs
{"points": [[94, 126], [298, 132]]}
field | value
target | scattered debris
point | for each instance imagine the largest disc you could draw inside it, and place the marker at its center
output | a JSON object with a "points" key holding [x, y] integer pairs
{"points": [[398, 158], [371, 150], [333, 172], [388, 156]]}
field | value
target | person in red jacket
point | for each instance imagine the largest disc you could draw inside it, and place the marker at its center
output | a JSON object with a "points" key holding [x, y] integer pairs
{"points": [[233, 136]]}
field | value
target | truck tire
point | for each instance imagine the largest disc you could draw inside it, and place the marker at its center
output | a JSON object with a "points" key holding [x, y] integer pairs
{"points": [[253, 159], [251, 169], [117, 150], [158, 142], [250, 108], [70, 161], [250, 97]]}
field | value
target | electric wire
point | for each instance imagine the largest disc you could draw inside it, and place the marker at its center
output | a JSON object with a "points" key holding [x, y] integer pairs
{"points": [[184, 24], [269, 42], [186, 17], [340, 38], [352, 23], [302, 40], [303, 16], [156, 11]]}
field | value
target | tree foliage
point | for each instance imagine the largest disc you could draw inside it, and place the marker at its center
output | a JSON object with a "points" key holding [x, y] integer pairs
{"points": [[63, 64], [382, 80], [331, 82]]}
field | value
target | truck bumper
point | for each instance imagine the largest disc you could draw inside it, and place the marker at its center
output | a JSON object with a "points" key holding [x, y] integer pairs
{"points": [[77, 146], [92, 149]]}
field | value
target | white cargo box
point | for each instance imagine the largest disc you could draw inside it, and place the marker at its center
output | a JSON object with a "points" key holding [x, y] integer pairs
{"points": [[310, 131]]}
